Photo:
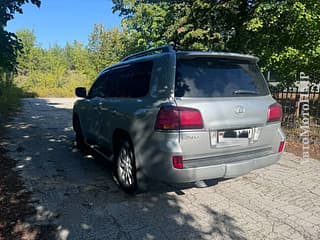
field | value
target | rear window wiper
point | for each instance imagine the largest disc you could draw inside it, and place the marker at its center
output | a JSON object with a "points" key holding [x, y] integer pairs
{"points": [[245, 92]]}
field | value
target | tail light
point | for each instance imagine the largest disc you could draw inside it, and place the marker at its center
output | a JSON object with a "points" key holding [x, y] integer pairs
{"points": [[177, 162], [178, 118], [275, 112], [281, 146]]}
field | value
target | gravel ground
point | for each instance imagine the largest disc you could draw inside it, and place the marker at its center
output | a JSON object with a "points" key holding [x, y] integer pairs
{"points": [[75, 197]]}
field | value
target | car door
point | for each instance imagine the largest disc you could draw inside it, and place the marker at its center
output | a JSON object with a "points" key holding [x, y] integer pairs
{"points": [[92, 114], [110, 118], [126, 88]]}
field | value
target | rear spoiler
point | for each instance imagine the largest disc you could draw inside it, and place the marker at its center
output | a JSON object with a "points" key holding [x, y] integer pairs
{"points": [[237, 56]]}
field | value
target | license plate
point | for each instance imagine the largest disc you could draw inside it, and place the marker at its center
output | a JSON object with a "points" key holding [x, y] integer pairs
{"points": [[234, 137]]}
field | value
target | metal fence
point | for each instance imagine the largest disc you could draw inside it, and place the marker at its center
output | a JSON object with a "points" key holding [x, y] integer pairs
{"points": [[291, 98]]}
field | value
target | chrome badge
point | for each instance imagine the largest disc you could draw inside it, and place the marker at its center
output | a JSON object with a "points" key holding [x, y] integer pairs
{"points": [[239, 109]]}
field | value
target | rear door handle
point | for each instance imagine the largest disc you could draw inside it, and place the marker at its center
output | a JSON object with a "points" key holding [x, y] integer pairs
{"points": [[96, 104], [103, 108], [113, 111]]}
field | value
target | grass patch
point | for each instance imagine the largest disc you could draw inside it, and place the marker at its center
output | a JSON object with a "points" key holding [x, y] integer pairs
{"points": [[10, 95], [9, 100]]}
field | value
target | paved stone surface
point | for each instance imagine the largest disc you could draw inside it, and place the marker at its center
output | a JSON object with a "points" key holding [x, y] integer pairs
{"points": [[78, 194]]}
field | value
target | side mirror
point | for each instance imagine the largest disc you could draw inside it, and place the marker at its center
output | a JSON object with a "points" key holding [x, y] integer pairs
{"points": [[81, 92]]}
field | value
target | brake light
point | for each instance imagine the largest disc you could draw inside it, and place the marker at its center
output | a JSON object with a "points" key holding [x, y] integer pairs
{"points": [[177, 162], [281, 146], [275, 112], [177, 118]]}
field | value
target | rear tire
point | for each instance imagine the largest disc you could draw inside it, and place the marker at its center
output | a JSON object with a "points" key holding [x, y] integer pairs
{"points": [[125, 167]]}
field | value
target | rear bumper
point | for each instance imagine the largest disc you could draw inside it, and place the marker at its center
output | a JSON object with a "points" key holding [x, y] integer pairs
{"points": [[229, 170]]}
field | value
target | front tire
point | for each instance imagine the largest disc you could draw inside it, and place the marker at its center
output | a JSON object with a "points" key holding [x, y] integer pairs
{"points": [[125, 167], [80, 144]]}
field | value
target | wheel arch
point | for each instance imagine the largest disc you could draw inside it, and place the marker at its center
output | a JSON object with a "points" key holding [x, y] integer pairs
{"points": [[74, 123], [119, 135]]}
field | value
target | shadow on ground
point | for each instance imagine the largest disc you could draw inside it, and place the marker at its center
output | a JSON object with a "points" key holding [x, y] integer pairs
{"points": [[75, 196]]}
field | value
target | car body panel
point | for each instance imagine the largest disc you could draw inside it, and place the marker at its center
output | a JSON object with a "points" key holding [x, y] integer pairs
{"points": [[101, 118]]}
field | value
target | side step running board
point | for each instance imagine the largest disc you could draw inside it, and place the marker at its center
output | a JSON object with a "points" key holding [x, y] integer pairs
{"points": [[97, 150]]}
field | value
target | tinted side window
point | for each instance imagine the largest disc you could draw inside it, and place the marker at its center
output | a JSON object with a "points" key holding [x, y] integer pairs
{"points": [[118, 80], [139, 86], [130, 81], [97, 89], [211, 77]]}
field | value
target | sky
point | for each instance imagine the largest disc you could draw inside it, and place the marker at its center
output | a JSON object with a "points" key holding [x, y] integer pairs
{"points": [[62, 21]]}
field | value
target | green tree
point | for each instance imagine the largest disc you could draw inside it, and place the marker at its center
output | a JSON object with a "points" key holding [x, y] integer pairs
{"points": [[26, 58], [9, 48], [77, 56], [147, 25], [187, 24], [106, 47], [55, 71], [9, 44], [284, 34]]}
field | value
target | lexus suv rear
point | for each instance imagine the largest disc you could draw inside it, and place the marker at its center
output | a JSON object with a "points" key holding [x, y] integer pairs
{"points": [[180, 116]]}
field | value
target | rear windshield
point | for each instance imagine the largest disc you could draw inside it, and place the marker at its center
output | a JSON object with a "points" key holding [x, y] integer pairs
{"points": [[214, 77]]}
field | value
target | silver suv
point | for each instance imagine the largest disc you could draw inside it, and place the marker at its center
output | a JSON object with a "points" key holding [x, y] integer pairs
{"points": [[180, 116]]}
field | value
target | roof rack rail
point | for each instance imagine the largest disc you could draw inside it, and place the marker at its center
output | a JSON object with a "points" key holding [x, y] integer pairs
{"points": [[157, 50]]}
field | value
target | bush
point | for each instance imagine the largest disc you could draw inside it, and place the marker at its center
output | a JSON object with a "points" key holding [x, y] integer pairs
{"points": [[10, 96]]}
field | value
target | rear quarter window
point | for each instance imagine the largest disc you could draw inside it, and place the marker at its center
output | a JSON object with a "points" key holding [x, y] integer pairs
{"points": [[141, 77], [130, 81], [215, 77]]}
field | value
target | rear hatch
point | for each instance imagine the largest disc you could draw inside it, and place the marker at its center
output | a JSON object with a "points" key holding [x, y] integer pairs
{"points": [[233, 98]]}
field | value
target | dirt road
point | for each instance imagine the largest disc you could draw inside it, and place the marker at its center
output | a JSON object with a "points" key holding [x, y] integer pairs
{"points": [[77, 194]]}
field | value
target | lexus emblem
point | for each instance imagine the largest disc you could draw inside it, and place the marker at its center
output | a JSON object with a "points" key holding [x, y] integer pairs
{"points": [[239, 109]]}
